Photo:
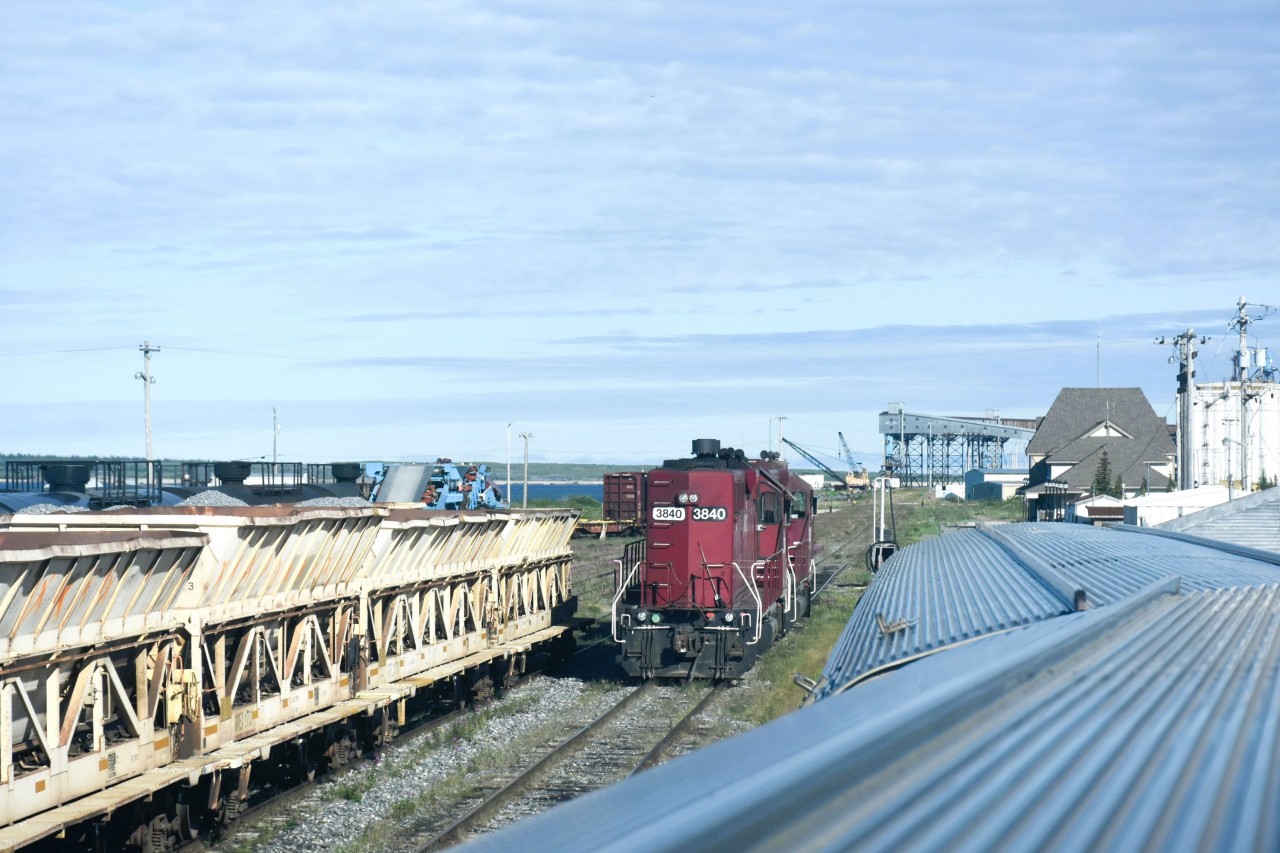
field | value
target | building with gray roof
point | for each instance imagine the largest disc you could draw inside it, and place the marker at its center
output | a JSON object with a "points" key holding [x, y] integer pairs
{"points": [[1081, 427]]}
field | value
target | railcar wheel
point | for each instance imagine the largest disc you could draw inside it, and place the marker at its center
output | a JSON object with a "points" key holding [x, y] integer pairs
{"points": [[307, 758], [343, 749]]}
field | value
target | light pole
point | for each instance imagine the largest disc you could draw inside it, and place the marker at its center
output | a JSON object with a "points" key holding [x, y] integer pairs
{"points": [[147, 381], [524, 499], [508, 464], [1231, 480]]}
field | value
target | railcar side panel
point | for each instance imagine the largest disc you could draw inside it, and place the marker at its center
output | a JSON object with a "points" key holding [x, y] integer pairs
{"points": [[149, 652]]}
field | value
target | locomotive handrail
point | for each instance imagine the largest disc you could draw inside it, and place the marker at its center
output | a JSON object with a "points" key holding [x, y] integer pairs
{"points": [[813, 568], [755, 593], [622, 588], [789, 598]]}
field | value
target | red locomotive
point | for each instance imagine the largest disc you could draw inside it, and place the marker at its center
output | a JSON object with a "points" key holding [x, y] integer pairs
{"points": [[726, 565]]}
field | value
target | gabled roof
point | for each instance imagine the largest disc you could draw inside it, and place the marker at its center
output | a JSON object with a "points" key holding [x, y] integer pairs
{"points": [[1100, 501], [1069, 434], [1077, 412], [1107, 429], [1127, 460]]}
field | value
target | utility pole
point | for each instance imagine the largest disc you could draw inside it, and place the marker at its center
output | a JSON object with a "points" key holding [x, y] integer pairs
{"points": [[1242, 376], [1227, 442], [1244, 360], [902, 440], [928, 456], [508, 464], [781, 418], [1185, 355], [147, 381], [524, 499], [275, 441]]}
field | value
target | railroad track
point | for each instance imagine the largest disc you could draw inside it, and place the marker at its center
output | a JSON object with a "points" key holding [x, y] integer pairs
{"points": [[633, 734], [256, 816]]}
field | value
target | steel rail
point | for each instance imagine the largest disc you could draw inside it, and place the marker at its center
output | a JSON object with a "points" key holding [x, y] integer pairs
{"points": [[494, 803], [654, 755], [263, 803], [830, 578]]}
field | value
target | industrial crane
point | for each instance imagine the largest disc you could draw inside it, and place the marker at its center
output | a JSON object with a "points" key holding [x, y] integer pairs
{"points": [[857, 478], [846, 452], [818, 463]]}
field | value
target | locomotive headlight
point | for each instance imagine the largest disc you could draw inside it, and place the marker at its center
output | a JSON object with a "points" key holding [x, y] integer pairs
{"points": [[728, 616], [642, 616], [693, 497], [655, 618], [683, 497]]}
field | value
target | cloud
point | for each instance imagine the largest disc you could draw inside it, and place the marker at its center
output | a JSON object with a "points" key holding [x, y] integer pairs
{"points": [[635, 195]]}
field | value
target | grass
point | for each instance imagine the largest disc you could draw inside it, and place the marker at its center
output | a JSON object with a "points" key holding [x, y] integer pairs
{"points": [[591, 509], [844, 534], [353, 788], [593, 569], [927, 517], [772, 690]]}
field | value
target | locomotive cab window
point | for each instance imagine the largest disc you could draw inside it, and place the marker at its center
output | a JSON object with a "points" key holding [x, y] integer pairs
{"points": [[769, 508], [799, 506]]}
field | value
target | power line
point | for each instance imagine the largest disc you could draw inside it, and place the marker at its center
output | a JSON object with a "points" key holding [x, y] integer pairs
{"points": [[59, 351]]}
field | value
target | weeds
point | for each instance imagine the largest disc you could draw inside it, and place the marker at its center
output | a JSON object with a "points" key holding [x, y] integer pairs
{"points": [[354, 788], [844, 533]]}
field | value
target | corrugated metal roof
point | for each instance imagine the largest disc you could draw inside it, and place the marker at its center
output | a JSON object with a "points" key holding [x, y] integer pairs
{"points": [[1252, 520], [1145, 725], [1113, 563], [935, 594], [954, 588]]}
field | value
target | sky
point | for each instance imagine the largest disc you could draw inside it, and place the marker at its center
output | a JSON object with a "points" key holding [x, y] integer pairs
{"points": [[420, 229]]}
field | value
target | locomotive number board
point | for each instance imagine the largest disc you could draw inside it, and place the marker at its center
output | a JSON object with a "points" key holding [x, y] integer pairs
{"points": [[698, 513]]}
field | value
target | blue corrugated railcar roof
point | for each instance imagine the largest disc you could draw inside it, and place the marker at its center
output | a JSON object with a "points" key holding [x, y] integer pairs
{"points": [[1147, 724], [977, 582]]}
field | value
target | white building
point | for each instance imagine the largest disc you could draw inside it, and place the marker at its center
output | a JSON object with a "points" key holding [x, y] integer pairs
{"points": [[1159, 507], [1098, 509], [1217, 437]]}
